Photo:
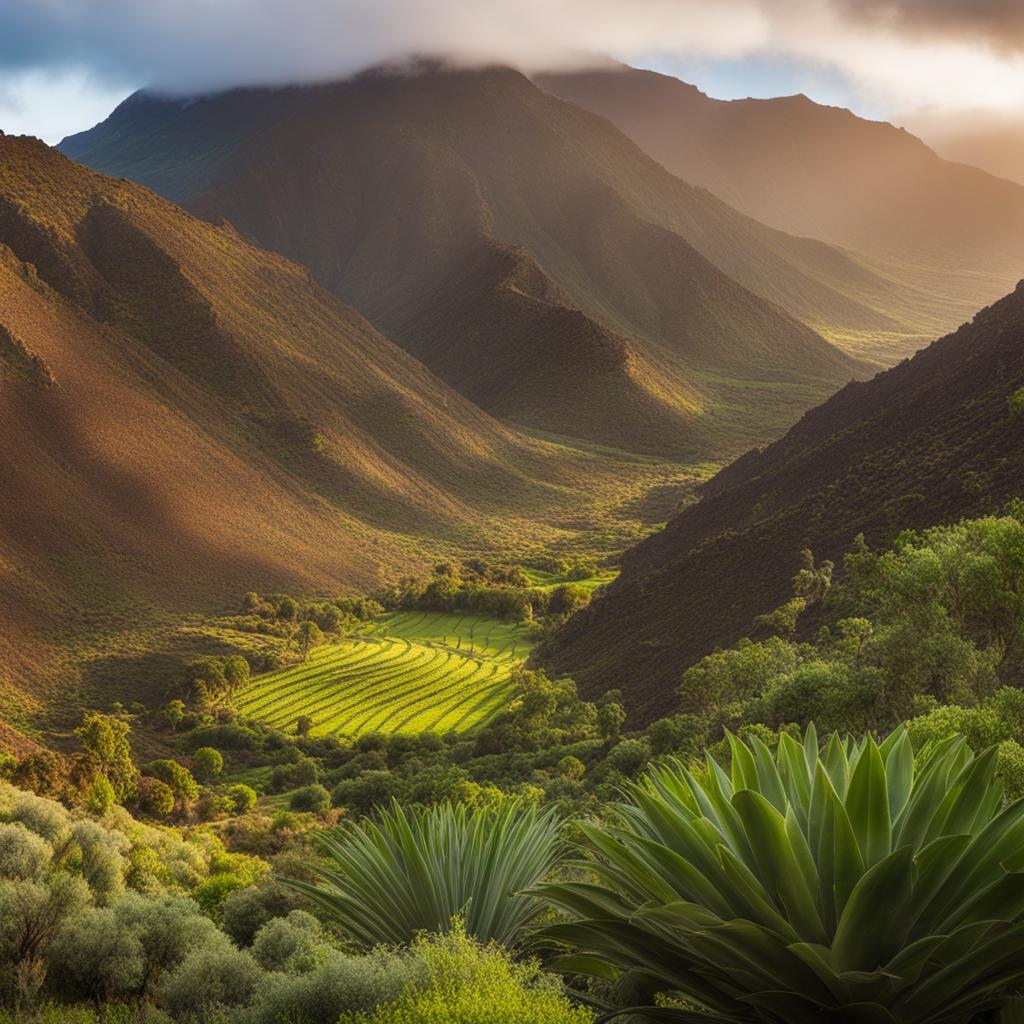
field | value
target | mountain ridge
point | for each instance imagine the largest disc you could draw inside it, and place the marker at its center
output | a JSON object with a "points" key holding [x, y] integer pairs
{"points": [[389, 186], [929, 441], [186, 417], [946, 230]]}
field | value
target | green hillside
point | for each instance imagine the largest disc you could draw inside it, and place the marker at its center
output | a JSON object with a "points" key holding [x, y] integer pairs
{"points": [[411, 672]]}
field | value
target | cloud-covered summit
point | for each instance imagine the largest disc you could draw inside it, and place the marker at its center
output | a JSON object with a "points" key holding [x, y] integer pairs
{"points": [[966, 53]]}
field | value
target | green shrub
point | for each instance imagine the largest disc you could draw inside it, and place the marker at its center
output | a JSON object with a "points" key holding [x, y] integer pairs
{"points": [[209, 762], [243, 798], [343, 985], [93, 957], [466, 983], [315, 799], [206, 982], [1017, 402], [154, 797], [417, 869], [244, 911], [858, 885], [211, 894], [294, 943], [23, 854]]}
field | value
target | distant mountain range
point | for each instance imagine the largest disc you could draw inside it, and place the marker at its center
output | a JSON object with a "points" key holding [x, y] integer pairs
{"points": [[523, 248], [184, 417], [937, 438], [947, 234]]}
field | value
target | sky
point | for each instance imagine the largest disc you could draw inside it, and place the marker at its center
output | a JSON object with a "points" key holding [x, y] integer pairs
{"points": [[64, 64]]}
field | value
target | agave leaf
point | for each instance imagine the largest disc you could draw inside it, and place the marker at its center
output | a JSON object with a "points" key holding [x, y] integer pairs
{"points": [[867, 803], [796, 777], [787, 1006], [744, 768], [837, 764], [857, 945], [810, 746], [769, 781], [820, 960], [929, 790], [899, 770], [934, 864], [979, 864], [780, 868], [591, 966], [416, 869], [959, 808], [747, 951], [749, 898]]}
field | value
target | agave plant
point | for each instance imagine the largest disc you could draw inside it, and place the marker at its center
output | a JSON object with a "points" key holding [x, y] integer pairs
{"points": [[417, 870], [854, 886]]}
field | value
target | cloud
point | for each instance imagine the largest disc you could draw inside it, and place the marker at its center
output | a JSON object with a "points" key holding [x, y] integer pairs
{"points": [[965, 53], [996, 23]]}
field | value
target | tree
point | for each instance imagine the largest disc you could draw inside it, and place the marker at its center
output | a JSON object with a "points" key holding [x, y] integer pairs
{"points": [[314, 798], [209, 684], [106, 741], [463, 982], [173, 712], [287, 609], [154, 797], [236, 675], [243, 798], [309, 636], [572, 768], [303, 725], [209, 762], [101, 796], [44, 772], [183, 786], [611, 716], [567, 598]]}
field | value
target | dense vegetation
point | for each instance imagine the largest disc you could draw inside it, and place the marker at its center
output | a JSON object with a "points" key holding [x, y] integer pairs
{"points": [[928, 442], [447, 857]]}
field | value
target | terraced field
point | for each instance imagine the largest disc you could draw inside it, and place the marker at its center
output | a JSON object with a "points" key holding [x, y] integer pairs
{"points": [[409, 672]]}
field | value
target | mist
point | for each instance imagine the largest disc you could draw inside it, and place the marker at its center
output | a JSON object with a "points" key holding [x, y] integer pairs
{"points": [[959, 54]]}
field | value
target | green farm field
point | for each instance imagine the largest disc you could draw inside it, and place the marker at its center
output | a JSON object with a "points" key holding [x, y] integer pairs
{"points": [[410, 672]]}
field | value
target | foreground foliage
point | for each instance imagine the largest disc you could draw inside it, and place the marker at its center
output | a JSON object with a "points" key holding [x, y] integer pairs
{"points": [[856, 886], [466, 983], [419, 869]]}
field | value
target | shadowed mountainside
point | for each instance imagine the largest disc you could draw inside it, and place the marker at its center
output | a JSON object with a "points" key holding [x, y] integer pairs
{"points": [[523, 248], [929, 441], [950, 234], [184, 417]]}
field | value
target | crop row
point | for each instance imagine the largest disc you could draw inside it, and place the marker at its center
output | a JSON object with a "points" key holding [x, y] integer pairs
{"points": [[383, 684]]}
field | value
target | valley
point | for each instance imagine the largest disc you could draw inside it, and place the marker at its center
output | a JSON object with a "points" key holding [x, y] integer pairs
{"points": [[499, 536]]}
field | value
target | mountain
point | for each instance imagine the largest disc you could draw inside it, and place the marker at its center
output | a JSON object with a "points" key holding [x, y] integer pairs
{"points": [[994, 142], [939, 437], [184, 417], [523, 248], [937, 228]]}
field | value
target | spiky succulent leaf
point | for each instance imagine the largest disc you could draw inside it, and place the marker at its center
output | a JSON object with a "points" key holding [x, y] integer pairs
{"points": [[858, 884]]}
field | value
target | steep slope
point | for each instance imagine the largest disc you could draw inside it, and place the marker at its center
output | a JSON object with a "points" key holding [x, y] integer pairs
{"points": [[184, 417], [945, 230], [929, 441], [506, 237]]}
